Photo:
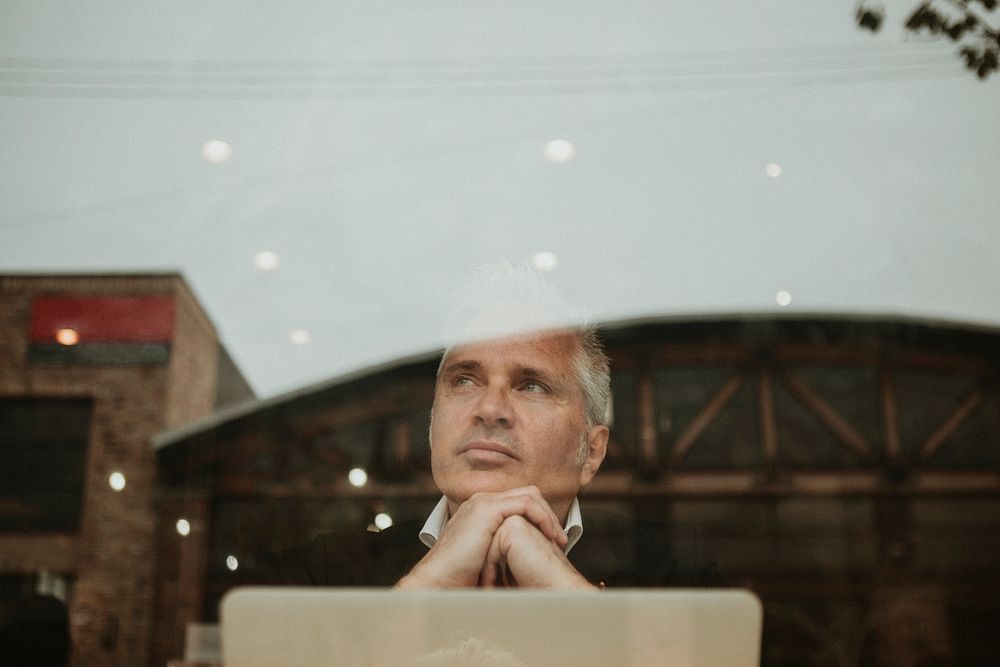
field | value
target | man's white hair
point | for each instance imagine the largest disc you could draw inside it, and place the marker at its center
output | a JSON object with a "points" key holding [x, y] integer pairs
{"points": [[503, 300]]}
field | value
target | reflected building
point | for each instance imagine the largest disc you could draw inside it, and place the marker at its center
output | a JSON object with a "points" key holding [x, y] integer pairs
{"points": [[845, 469]]}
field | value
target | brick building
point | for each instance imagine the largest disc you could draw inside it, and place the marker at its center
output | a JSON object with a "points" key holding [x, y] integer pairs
{"points": [[91, 367]]}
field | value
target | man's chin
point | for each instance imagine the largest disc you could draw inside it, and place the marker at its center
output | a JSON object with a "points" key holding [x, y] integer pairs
{"points": [[485, 481]]}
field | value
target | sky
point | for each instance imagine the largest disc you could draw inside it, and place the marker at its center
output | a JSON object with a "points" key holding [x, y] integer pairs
{"points": [[767, 157]]}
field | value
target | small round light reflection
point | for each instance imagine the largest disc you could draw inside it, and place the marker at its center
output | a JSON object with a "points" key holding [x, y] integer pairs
{"points": [[216, 151], [357, 477], [67, 337], [232, 563], [545, 261], [266, 260], [559, 151], [183, 527], [783, 298], [773, 170], [116, 481], [383, 520], [299, 336]]}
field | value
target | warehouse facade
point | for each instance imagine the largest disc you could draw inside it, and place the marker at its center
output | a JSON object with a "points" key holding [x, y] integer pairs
{"points": [[845, 469]]}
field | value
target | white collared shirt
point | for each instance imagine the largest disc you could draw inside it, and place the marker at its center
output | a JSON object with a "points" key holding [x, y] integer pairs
{"points": [[435, 524]]}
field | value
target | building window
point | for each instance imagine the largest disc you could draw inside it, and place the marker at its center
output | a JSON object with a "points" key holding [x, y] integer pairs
{"points": [[43, 446]]}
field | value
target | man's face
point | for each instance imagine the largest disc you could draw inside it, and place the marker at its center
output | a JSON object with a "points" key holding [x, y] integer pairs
{"points": [[509, 413]]}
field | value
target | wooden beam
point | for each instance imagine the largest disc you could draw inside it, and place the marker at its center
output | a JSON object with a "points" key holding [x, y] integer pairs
{"points": [[847, 435], [715, 354], [717, 402], [735, 484], [615, 484], [400, 442], [647, 421], [306, 488], [909, 358], [890, 415], [308, 422], [930, 360], [819, 353], [29, 553], [951, 424], [768, 429], [679, 354]]}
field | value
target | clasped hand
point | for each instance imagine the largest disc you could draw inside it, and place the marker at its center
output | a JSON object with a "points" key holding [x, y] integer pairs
{"points": [[510, 538]]}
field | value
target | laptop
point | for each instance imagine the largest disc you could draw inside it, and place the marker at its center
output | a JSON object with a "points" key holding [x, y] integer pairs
{"points": [[313, 627]]}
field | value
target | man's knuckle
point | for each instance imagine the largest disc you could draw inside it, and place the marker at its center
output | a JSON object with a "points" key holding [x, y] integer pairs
{"points": [[514, 524]]}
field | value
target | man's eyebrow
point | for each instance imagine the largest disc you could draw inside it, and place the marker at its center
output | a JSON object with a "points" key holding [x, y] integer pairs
{"points": [[531, 371], [462, 366]]}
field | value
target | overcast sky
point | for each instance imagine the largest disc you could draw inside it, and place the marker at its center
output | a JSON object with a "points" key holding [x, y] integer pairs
{"points": [[717, 157]]}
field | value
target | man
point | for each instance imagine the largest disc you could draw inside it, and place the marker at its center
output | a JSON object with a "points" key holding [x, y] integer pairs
{"points": [[518, 426]]}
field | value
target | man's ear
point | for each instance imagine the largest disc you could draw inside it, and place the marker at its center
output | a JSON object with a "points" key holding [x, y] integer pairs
{"points": [[597, 447]]}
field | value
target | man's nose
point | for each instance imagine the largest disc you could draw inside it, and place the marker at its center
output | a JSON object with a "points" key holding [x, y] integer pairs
{"points": [[494, 408]]}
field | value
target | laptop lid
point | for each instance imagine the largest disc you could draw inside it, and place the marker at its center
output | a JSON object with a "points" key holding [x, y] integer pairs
{"points": [[310, 627]]}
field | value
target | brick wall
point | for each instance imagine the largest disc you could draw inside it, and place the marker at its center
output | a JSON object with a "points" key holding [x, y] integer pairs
{"points": [[113, 558], [191, 387]]}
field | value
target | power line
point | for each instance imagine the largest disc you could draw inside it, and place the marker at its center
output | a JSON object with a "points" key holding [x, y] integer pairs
{"points": [[223, 79], [855, 50], [479, 88]]}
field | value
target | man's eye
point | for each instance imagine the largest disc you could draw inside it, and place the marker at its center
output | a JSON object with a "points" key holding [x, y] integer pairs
{"points": [[534, 387], [462, 381]]}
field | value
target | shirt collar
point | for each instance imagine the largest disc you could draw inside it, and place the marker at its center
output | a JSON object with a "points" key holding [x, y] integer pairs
{"points": [[435, 524]]}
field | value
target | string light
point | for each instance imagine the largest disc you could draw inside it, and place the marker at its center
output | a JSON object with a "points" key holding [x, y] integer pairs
{"points": [[299, 336], [545, 261], [559, 151], [116, 481], [266, 260], [357, 477], [216, 151], [67, 337]]}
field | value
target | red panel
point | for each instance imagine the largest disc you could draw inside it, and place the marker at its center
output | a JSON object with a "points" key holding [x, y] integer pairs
{"points": [[104, 318]]}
